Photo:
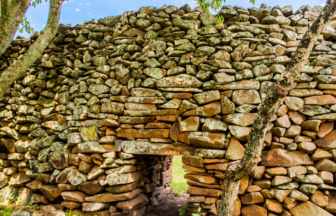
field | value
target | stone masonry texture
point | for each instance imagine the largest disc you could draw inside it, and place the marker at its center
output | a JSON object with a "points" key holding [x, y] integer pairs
{"points": [[95, 123]]}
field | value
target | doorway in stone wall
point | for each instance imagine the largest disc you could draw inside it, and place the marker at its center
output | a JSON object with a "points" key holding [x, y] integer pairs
{"points": [[162, 171], [177, 196]]}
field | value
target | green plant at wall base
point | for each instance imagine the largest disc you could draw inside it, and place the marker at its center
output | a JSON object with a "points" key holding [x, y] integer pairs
{"points": [[197, 214], [7, 210], [183, 210], [215, 5], [70, 213]]}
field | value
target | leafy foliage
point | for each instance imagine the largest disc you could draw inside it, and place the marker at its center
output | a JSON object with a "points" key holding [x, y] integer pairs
{"points": [[34, 3], [183, 210], [70, 213], [215, 5], [197, 214], [25, 25]]}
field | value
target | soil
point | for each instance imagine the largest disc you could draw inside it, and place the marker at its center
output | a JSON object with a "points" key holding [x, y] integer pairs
{"points": [[169, 205]]}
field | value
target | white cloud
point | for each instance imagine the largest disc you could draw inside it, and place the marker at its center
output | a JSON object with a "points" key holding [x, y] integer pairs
{"points": [[81, 4], [88, 4], [67, 1], [77, 10], [191, 3], [323, 4]]}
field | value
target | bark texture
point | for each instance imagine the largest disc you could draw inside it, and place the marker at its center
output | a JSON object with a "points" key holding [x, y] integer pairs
{"points": [[13, 26], [238, 170], [19, 68], [8, 15]]}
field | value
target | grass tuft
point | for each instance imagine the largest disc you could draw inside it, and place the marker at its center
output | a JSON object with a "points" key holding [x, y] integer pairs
{"points": [[179, 183]]}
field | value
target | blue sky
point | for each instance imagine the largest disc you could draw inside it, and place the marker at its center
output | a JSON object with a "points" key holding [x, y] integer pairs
{"points": [[79, 11]]}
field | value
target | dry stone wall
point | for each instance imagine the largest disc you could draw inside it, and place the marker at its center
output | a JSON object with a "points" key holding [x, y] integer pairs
{"points": [[95, 122]]}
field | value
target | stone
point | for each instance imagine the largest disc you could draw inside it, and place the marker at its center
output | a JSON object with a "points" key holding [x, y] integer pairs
{"points": [[190, 124], [283, 158], [319, 199], [207, 139], [308, 208], [240, 119], [201, 178], [240, 133], [143, 134], [193, 161], [203, 191], [320, 100], [273, 205], [279, 180], [214, 125], [122, 178], [235, 150], [51, 192], [89, 134], [19, 179], [74, 196], [283, 121], [94, 207], [252, 198], [209, 110], [325, 129], [88, 147], [254, 210], [241, 97], [183, 80], [207, 97], [298, 195], [109, 197], [294, 103], [328, 142], [90, 187], [326, 165]]}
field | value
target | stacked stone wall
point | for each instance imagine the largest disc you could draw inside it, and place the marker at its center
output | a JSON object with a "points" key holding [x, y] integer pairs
{"points": [[95, 123]]}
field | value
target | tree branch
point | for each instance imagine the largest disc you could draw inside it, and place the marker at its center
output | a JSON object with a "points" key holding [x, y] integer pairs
{"points": [[4, 5], [16, 20], [239, 169], [19, 68], [6, 20]]}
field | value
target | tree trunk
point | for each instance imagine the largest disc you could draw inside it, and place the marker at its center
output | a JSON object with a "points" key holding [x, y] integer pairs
{"points": [[8, 13], [19, 68], [239, 169], [13, 26]]}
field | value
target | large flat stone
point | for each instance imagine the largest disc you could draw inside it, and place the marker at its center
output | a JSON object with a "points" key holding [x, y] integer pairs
{"points": [[113, 107], [209, 110], [183, 80], [142, 133], [207, 139], [280, 157], [123, 178], [308, 208], [135, 203], [203, 191], [88, 147], [242, 97], [241, 85], [239, 119], [328, 142], [207, 97], [109, 197], [147, 148]]}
